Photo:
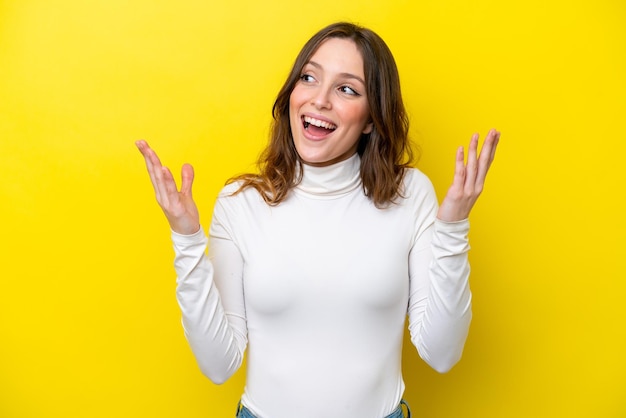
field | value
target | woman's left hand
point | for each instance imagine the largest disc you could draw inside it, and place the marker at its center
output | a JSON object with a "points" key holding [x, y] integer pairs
{"points": [[469, 179]]}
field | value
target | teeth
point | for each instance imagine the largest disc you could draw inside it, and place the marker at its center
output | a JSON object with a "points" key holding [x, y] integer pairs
{"points": [[320, 123]]}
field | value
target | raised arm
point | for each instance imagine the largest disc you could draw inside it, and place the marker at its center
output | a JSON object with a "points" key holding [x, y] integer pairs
{"points": [[209, 292], [440, 307]]}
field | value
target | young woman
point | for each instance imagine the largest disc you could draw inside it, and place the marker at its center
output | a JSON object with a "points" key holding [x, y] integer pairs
{"points": [[314, 263]]}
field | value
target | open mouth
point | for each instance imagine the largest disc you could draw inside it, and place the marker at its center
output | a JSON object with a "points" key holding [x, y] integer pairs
{"points": [[317, 127]]}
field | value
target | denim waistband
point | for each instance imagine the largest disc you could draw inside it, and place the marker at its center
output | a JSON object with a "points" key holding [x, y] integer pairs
{"points": [[243, 412]]}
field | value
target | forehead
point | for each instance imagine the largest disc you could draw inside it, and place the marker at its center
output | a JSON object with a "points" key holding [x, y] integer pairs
{"points": [[338, 55]]}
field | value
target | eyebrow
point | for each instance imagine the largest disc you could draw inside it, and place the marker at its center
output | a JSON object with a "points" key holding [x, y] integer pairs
{"points": [[346, 75]]}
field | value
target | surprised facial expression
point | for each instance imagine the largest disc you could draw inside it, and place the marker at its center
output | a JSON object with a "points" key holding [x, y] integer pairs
{"points": [[328, 108]]}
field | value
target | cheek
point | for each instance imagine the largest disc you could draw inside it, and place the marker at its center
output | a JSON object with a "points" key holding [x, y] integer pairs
{"points": [[360, 115], [293, 110], [294, 103], [295, 98]]}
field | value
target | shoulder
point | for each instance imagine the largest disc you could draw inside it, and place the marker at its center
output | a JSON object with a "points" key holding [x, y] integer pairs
{"points": [[229, 189], [412, 174], [416, 184], [232, 197], [234, 209], [419, 198]]}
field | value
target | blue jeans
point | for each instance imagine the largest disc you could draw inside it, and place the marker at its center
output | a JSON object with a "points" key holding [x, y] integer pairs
{"points": [[243, 412]]}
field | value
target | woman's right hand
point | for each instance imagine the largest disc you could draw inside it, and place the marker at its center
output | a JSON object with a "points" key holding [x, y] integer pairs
{"points": [[179, 208]]}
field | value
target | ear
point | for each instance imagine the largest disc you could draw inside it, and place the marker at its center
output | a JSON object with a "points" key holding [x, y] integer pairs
{"points": [[368, 128]]}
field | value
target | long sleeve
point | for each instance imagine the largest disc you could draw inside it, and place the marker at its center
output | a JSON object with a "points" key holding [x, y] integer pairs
{"points": [[327, 279], [210, 297], [440, 299]]}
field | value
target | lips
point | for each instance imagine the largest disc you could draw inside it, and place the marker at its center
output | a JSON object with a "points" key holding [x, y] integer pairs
{"points": [[308, 120], [317, 128]]}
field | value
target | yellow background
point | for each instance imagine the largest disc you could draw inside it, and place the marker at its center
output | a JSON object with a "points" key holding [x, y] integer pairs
{"points": [[89, 325]]}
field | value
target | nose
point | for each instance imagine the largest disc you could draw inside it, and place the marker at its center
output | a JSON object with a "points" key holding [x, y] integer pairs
{"points": [[321, 100]]}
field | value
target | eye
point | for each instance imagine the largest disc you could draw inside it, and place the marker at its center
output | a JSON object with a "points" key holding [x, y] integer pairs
{"points": [[307, 78], [349, 90]]}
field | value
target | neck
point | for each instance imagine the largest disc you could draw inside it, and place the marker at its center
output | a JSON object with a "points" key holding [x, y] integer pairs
{"points": [[330, 181]]}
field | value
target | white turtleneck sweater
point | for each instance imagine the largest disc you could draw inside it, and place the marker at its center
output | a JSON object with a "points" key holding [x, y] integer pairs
{"points": [[318, 289]]}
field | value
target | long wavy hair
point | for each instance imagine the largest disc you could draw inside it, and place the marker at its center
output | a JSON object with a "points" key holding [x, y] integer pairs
{"points": [[385, 152]]}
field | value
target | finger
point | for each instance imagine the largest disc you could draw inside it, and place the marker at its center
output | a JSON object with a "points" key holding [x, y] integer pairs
{"points": [[143, 149], [141, 144], [169, 184], [496, 141], [459, 169], [486, 151], [157, 176], [152, 160], [487, 154], [187, 175], [148, 154], [161, 177], [146, 151], [472, 164]]}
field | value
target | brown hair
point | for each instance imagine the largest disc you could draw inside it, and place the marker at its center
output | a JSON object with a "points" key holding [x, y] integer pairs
{"points": [[385, 152]]}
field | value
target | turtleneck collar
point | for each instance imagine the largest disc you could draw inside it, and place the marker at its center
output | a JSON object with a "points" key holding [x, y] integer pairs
{"points": [[330, 181]]}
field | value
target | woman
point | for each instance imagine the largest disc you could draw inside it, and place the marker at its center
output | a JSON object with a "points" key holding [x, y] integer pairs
{"points": [[315, 262]]}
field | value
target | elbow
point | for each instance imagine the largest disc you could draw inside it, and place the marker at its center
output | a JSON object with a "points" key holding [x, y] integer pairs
{"points": [[219, 372], [441, 363], [444, 367], [218, 377]]}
